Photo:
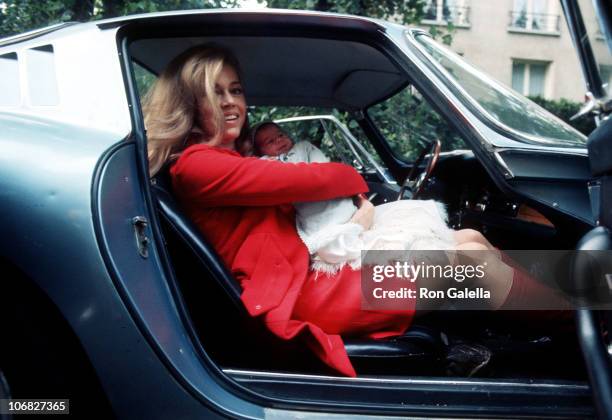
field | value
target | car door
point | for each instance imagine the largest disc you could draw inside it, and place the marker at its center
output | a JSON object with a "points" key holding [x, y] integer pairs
{"points": [[590, 27]]}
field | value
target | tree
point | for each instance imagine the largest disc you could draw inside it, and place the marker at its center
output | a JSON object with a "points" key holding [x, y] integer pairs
{"points": [[18, 16], [406, 12], [402, 11], [565, 109], [24, 15]]}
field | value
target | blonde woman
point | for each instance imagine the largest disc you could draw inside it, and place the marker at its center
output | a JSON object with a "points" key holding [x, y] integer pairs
{"points": [[195, 117]]}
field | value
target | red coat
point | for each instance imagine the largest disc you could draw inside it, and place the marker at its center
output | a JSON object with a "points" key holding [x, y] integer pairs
{"points": [[243, 207]]}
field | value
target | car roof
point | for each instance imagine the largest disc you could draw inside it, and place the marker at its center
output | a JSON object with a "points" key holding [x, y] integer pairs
{"points": [[269, 12], [288, 57], [293, 71]]}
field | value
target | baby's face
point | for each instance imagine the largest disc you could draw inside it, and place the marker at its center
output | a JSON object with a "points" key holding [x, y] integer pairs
{"points": [[271, 141]]}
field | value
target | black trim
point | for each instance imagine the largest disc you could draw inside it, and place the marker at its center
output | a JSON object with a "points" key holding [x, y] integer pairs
{"points": [[44, 48], [9, 56]]}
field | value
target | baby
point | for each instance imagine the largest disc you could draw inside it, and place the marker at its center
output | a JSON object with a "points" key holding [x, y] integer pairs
{"points": [[325, 227]]}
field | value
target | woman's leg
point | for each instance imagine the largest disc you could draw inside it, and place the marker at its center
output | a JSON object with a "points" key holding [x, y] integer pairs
{"points": [[467, 236], [499, 275], [471, 235]]}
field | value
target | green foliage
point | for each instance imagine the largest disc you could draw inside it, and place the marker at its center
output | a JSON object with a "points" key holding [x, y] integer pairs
{"points": [[18, 16], [444, 34], [313, 131], [21, 16], [310, 131], [565, 109], [144, 79], [406, 12], [403, 11], [408, 123]]}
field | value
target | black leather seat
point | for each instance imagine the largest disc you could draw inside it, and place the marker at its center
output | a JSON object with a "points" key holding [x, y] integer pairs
{"points": [[418, 351], [170, 213]]}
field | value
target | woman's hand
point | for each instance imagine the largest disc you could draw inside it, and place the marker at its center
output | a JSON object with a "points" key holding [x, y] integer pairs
{"points": [[365, 212]]}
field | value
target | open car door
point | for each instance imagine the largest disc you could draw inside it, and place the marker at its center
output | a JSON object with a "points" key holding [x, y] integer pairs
{"points": [[590, 24]]}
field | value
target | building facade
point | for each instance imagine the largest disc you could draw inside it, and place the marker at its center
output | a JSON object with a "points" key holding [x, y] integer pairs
{"points": [[524, 44]]}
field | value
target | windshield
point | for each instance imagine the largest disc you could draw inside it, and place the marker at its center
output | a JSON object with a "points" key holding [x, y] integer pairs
{"points": [[501, 105]]}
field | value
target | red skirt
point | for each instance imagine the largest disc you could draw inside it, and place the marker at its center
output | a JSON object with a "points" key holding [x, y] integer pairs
{"points": [[334, 303]]}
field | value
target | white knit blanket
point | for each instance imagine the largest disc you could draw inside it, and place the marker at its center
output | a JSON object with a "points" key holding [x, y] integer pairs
{"points": [[333, 242]]}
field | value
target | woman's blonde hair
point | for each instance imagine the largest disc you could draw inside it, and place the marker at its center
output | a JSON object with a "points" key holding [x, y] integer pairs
{"points": [[171, 107]]}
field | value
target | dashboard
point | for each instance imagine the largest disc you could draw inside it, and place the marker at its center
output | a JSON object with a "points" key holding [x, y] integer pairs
{"points": [[547, 209], [548, 206]]}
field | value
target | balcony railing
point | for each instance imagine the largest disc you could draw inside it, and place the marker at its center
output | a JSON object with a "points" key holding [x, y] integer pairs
{"points": [[534, 21], [458, 15]]}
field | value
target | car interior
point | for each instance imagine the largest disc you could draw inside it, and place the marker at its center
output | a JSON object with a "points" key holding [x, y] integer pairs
{"points": [[352, 78]]}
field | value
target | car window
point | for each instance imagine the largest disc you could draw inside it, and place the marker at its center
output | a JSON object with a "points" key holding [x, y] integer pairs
{"points": [[144, 78], [343, 144], [329, 135], [363, 139], [323, 133], [408, 123], [309, 131]]}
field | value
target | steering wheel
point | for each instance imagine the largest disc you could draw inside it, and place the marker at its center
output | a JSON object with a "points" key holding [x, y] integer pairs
{"points": [[416, 179]]}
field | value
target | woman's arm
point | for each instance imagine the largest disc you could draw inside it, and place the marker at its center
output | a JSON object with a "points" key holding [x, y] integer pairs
{"points": [[215, 177]]}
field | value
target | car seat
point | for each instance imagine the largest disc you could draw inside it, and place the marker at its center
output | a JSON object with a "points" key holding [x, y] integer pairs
{"points": [[418, 351]]}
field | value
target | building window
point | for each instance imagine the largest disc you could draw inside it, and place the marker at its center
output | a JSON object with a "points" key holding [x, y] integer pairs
{"points": [[529, 78], [534, 15], [444, 11]]}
